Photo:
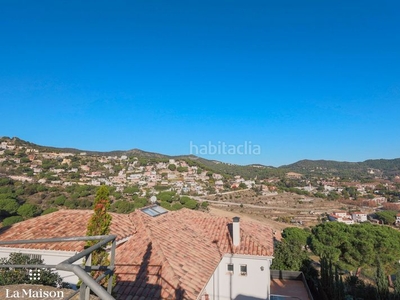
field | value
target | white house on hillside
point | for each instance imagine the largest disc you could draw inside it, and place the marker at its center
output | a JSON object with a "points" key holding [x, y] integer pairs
{"points": [[359, 217]]}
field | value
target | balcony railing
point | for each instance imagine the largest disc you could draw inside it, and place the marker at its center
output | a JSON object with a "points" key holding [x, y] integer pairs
{"points": [[88, 282]]}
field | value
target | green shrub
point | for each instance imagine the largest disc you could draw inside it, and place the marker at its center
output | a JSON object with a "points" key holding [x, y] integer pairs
{"points": [[184, 199], [9, 276], [165, 205], [204, 204], [123, 207], [28, 210], [12, 220], [191, 204], [49, 210], [140, 202], [166, 196], [176, 206]]}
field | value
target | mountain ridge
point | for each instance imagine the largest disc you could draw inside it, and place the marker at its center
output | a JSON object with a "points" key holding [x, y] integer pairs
{"points": [[387, 167]]}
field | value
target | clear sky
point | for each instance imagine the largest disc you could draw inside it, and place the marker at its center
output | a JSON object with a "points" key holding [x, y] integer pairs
{"points": [[281, 80]]}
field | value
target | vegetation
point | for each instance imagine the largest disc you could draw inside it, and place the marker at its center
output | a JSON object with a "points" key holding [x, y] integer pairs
{"points": [[99, 224], [9, 276], [354, 260], [172, 201], [356, 246], [340, 248], [290, 254], [387, 216], [346, 170]]}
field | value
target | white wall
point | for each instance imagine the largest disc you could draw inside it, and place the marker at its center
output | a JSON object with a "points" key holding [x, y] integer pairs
{"points": [[49, 258], [224, 285]]}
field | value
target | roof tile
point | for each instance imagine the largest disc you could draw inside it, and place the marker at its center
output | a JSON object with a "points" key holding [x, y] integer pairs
{"points": [[185, 247], [171, 256], [62, 223]]}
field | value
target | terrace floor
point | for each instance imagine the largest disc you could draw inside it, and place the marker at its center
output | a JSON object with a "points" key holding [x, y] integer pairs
{"points": [[291, 288]]}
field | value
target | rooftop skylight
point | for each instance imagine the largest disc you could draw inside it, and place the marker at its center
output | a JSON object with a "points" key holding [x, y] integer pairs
{"points": [[154, 210]]}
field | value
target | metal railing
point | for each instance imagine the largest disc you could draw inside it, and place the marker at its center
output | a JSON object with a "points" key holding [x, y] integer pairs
{"points": [[88, 283]]}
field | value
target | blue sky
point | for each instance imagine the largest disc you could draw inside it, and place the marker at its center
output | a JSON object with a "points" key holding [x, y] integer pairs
{"points": [[299, 79]]}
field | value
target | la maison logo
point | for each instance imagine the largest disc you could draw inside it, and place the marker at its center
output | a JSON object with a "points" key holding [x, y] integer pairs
{"points": [[222, 148], [33, 294], [34, 275]]}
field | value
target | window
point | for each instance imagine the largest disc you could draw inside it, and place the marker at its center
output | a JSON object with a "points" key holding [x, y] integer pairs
{"points": [[243, 270], [35, 256], [229, 268]]}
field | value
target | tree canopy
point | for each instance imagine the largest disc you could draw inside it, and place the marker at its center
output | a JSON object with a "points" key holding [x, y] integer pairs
{"points": [[357, 245]]}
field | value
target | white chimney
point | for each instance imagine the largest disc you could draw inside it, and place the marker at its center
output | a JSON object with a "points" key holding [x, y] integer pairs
{"points": [[236, 231]]}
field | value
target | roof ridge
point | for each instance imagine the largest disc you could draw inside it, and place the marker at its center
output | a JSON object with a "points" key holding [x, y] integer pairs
{"points": [[204, 234], [244, 233], [157, 245]]}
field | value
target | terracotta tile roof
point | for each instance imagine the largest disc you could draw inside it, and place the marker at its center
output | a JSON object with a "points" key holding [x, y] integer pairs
{"points": [[176, 253], [171, 256], [62, 223]]}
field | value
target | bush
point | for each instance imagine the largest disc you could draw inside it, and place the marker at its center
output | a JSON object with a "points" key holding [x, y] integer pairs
{"points": [[182, 169], [71, 204], [60, 200], [165, 205], [49, 211], [166, 196], [28, 210], [176, 206], [387, 216], [191, 204], [204, 204], [161, 187], [12, 220], [184, 199], [9, 276], [123, 207], [8, 207], [131, 189], [140, 202]]}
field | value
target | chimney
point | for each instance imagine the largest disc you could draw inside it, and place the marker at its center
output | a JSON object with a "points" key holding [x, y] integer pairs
{"points": [[236, 231]]}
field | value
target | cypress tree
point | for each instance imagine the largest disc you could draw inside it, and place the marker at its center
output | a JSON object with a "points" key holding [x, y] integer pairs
{"points": [[382, 283], [99, 224]]}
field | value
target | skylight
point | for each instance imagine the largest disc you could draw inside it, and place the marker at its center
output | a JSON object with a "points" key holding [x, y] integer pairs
{"points": [[154, 211]]}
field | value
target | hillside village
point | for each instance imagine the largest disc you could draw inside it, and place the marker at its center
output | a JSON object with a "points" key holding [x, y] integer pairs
{"points": [[57, 173], [65, 168]]}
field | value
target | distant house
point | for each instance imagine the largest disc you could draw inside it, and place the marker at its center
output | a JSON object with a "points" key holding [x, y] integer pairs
{"points": [[235, 185], [293, 175], [379, 200], [359, 217], [219, 184], [398, 219], [183, 254], [217, 176], [341, 216]]}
